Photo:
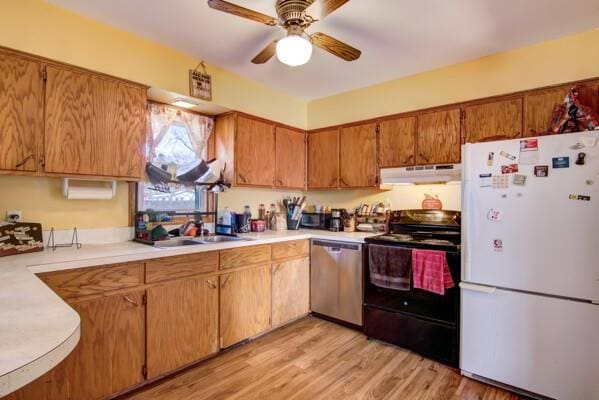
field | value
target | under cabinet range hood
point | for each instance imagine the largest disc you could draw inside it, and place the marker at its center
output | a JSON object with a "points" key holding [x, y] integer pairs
{"points": [[441, 173]]}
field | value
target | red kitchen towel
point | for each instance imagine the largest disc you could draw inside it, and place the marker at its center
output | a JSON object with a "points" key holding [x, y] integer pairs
{"points": [[430, 271]]}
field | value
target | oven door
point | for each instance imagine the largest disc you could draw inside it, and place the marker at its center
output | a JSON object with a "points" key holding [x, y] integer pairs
{"points": [[418, 302]]}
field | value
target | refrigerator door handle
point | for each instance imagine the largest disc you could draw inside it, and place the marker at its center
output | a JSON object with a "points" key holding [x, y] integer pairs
{"points": [[478, 288]]}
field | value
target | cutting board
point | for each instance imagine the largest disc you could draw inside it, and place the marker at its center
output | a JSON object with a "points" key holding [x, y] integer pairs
{"points": [[20, 238]]}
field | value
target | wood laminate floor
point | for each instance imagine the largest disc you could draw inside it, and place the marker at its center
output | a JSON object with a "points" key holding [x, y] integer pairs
{"points": [[315, 359]]}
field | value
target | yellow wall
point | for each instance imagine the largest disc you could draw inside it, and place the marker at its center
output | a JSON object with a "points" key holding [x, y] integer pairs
{"points": [[41, 200], [566, 59]]}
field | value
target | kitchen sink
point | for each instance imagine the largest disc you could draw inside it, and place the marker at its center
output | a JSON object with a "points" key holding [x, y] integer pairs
{"points": [[188, 241], [221, 239], [176, 242]]}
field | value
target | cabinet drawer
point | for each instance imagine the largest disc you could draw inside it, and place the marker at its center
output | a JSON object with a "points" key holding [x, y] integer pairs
{"points": [[174, 267], [296, 248], [243, 256], [94, 280]]}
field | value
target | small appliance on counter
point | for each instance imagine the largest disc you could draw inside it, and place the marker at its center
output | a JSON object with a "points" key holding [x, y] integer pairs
{"points": [[316, 220], [336, 221]]}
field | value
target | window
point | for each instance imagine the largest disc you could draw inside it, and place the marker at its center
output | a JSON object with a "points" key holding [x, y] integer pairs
{"points": [[176, 139]]}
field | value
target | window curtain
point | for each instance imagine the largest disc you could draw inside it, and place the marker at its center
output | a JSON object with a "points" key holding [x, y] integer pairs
{"points": [[161, 117]]}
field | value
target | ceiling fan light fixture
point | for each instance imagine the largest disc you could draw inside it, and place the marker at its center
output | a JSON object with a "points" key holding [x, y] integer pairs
{"points": [[294, 50]]}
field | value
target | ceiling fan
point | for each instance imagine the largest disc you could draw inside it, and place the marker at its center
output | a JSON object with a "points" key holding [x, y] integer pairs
{"points": [[294, 16]]}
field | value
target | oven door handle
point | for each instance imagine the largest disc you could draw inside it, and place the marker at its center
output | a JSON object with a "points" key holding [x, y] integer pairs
{"points": [[335, 250]]}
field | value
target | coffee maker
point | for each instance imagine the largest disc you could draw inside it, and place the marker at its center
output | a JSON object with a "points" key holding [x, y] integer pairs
{"points": [[336, 220]]}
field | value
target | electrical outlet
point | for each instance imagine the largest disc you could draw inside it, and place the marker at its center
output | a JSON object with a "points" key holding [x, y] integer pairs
{"points": [[13, 215]]}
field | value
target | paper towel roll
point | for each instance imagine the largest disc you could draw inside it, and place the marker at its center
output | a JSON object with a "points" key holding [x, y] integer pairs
{"points": [[88, 192]]}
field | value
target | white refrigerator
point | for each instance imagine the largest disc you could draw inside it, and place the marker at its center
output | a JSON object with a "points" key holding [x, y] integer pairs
{"points": [[530, 264]]}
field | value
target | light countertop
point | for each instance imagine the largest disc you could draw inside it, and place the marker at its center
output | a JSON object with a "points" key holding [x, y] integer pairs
{"points": [[38, 329]]}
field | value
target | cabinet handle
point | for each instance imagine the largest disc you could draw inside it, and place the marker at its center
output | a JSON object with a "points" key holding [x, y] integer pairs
{"points": [[343, 182], [29, 157], [130, 301], [42, 161], [211, 284], [423, 157], [225, 281], [279, 182], [241, 177], [275, 268], [333, 182]]}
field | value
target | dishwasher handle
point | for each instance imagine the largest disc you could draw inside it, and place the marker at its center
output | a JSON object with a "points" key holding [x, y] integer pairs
{"points": [[337, 247]]}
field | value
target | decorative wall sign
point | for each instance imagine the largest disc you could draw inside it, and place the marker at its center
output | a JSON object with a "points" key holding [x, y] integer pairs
{"points": [[200, 83]]}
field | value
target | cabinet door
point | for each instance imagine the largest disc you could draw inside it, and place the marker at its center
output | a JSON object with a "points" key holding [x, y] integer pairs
{"points": [[254, 152], [182, 323], [21, 106], [290, 158], [126, 130], [493, 121], [110, 354], [538, 107], [438, 139], [357, 156], [290, 290], [94, 125], [245, 304], [396, 142], [323, 159]]}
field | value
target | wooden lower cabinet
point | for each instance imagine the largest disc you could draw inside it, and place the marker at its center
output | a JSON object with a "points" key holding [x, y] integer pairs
{"points": [[290, 290], [108, 358], [245, 304], [182, 323]]}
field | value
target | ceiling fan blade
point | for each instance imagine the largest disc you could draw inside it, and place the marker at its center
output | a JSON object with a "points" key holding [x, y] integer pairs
{"points": [[335, 47], [243, 12], [321, 8], [266, 54]]}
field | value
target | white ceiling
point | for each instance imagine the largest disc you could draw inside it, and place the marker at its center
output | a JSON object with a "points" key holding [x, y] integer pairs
{"points": [[397, 37]]}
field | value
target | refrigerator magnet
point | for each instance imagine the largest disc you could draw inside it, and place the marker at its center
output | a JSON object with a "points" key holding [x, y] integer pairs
{"points": [[589, 182], [509, 169], [494, 215], [490, 159], [560, 162], [485, 180], [507, 155], [497, 245], [580, 158], [500, 182], [541, 171], [519, 179], [529, 151], [579, 197]]}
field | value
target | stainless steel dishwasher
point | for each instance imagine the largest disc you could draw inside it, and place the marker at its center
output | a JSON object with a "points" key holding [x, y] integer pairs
{"points": [[336, 280]]}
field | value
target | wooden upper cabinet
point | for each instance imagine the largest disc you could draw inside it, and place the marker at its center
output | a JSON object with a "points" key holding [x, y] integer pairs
{"points": [[396, 142], [245, 304], [357, 156], [182, 323], [497, 120], [254, 152], [94, 124], [438, 139], [538, 108], [290, 153], [21, 112], [323, 159]]}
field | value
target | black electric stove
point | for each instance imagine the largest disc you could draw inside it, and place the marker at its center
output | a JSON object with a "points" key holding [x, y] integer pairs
{"points": [[424, 322]]}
